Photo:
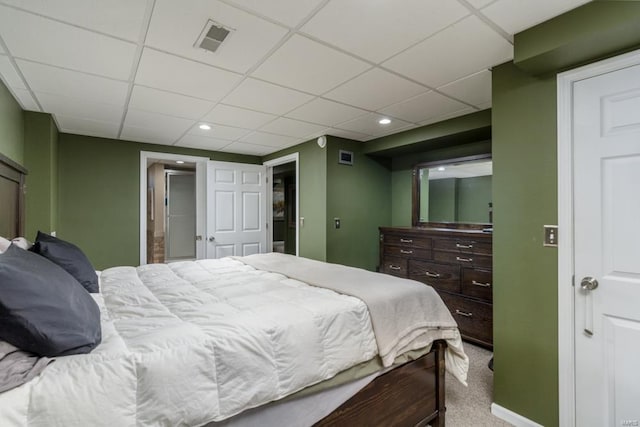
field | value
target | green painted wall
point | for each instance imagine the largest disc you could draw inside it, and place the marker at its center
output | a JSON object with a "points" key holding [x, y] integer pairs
{"points": [[41, 159], [443, 196], [359, 196], [99, 200], [11, 126], [474, 196]]}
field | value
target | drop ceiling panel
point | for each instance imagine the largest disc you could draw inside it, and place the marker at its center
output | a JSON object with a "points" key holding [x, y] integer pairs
{"points": [[478, 4], [172, 104], [290, 127], [422, 107], [437, 119], [268, 139], [79, 108], [120, 18], [375, 89], [369, 125], [309, 66], [288, 12], [26, 100], [238, 117], [169, 124], [220, 132], [474, 89], [59, 44], [380, 29], [44, 78], [342, 133], [9, 74], [250, 41], [517, 15], [326, 112], [262, 96], [81, 126], [202, 142], [171, 73], [462, 49], [250, 149]]}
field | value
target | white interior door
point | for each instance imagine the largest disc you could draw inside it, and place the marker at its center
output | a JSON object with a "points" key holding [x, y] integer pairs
{"points": [[236, 209], [606, 140]]}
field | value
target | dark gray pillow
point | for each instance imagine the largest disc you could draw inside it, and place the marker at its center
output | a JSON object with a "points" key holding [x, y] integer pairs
{"points": [[68, 256], [43, 309]]}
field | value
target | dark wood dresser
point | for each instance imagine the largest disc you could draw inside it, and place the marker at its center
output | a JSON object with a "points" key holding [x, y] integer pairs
{"points": [[455, 262]]}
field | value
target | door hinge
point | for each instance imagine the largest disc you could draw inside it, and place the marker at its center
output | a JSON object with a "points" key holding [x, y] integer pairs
{"points": [[573, 280]]}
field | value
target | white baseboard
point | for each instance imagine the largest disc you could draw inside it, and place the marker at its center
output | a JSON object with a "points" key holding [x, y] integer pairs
{"points": [[511, 417]]}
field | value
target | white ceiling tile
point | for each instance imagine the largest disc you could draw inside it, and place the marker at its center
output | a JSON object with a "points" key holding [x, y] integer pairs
{"points": [[375, 89], [268, 139], [144, 125], [369, 125], [288, 12], [60, 44], [309, 66], [172, 104], [474, 89], [79, 107], [250, 149], [460, 50], [43, 78], [81, 126], [258, 95], [342, 133], [325, 112], [9, 74], [26, 100], [422, 107], [518, 15], [250, 41], [391, 132], [121, 18], [202, 142], [169, 72], [458, 113], [290, 127], [228, 133], [479, 4], [238, 117], [380, 29], [484, 106]]}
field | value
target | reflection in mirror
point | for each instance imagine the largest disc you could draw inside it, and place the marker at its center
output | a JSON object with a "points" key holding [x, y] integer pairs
{"points": [[457, 192]]}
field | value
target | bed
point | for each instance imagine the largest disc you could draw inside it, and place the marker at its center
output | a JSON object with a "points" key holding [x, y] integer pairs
{"points": [[241, 341]]}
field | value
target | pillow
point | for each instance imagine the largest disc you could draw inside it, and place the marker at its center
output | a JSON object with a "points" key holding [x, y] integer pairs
{"points": [[22, 243], [43, 309], [4, 244], [68, 256]]}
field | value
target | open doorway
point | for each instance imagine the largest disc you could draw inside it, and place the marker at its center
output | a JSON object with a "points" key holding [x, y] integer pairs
{"points": [[283, 199]]}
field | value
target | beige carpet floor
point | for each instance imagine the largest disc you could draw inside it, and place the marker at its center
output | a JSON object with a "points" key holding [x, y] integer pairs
{"points": [[471, 406]]}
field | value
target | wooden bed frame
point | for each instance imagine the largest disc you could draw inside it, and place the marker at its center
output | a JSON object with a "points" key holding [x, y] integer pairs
{"points": [[409, 395]]}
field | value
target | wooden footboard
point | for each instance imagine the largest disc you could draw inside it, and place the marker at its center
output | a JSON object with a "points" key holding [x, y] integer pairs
{"points": [[409, 395]]}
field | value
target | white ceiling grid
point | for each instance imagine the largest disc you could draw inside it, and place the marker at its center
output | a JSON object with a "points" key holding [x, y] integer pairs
{"points": [[289, 71]]}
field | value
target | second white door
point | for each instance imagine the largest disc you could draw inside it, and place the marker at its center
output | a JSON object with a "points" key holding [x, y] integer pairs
{"points": [[236, 209]]}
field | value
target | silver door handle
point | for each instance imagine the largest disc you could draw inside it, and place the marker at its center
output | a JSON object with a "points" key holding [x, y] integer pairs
{"points": [[588, 284], [211, 238]]}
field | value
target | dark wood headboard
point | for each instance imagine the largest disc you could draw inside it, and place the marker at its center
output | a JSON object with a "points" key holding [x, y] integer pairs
{"points": [[11, 198]]}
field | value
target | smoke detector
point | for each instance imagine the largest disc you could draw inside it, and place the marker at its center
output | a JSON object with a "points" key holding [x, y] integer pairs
{"points": [[212, 36]]}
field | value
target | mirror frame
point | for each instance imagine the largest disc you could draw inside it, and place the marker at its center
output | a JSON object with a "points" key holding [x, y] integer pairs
{"points": [[415, 192]]}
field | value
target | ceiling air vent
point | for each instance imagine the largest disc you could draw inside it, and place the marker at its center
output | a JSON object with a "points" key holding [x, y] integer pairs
{"points": [[212, 36]]}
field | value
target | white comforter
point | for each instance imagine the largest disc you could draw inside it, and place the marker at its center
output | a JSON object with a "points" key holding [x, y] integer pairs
{"points": [[192, 342]]}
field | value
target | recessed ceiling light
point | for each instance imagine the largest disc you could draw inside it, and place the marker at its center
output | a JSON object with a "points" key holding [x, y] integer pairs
{"points": [[179, 162], [205, 127], [441, 168], [384, 121]]}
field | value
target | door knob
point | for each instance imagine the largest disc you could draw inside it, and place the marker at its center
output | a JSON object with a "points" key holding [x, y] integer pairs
{"points": [[211, 238], [588, 283]]}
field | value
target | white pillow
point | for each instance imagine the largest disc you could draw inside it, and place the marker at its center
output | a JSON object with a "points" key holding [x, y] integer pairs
{"points": [[4, 244], [22, 243]]}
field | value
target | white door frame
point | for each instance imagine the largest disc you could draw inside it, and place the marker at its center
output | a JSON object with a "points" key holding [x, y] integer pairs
{"points": [[201, 194], [566, 303], [295, 157]]}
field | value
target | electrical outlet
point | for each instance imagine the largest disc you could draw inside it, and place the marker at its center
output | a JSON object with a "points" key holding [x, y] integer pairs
{"points": [[550, 236]]}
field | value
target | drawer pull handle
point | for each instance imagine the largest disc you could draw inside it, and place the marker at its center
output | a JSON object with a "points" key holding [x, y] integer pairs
{"points": [[406, 240], [430, 274], [395, 267], [402, 251], [464, 259], [484, 285], [458, 245], [464, 313]]}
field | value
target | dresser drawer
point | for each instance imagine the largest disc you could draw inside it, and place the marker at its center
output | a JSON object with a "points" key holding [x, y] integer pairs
{"points": [[406, 252], [440, 276], [465, 260], [477, 283], [407, 241], [475, 319], [463, 246], [394, 266]]}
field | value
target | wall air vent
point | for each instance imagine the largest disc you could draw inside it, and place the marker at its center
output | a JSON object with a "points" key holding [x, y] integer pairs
{"points": [[212, 36]]}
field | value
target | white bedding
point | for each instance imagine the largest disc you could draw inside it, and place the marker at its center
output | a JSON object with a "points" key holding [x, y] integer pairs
{"points": [[192, 342]]}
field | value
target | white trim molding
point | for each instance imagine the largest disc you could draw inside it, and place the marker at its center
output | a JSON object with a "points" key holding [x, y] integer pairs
{"points": [[511, 417], [566, 303]]}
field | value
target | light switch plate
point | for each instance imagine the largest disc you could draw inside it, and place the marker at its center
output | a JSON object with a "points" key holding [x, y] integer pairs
{"points": [[550, 236]]}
